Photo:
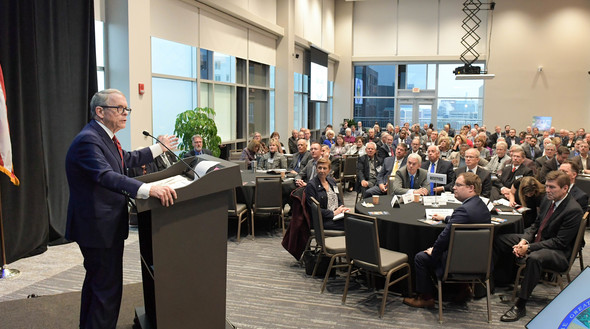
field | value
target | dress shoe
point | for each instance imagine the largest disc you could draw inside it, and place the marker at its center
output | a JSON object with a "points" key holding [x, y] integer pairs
{"points": [[513, 314], [463, 295], [419, 302]]}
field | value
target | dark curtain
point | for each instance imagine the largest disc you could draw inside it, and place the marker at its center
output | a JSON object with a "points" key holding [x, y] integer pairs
{"points": [[48, 57]]}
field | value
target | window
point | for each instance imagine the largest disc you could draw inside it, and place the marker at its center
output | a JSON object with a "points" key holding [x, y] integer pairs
{"points": [[300, 105], [240, 91], [383, 94], [99, 44]]}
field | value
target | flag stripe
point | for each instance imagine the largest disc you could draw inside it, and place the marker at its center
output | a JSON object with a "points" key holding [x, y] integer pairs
{"points": [[5, 144]]}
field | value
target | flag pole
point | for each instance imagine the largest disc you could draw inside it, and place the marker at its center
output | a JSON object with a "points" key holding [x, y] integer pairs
{"points": [[5, 273]]}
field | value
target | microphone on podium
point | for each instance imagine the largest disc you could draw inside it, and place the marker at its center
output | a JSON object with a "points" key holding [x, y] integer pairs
{"points": [[146, 133]]}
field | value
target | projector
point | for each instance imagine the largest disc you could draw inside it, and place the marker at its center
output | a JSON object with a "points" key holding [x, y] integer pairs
{"points": [[467, 69]]}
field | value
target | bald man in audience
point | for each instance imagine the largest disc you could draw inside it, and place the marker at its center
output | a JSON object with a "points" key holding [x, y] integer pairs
{"points": [[471, 165], [435, 164]]}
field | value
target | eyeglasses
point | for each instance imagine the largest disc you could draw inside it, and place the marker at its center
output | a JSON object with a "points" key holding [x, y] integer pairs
{"points": [[459, 184], [119, 109]]}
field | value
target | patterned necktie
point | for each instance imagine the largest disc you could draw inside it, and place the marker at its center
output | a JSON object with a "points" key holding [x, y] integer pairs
{"points": [[116, 141], [432, 184], [544, 222]]}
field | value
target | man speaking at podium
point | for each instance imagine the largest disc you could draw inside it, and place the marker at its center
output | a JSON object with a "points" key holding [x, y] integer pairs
{"points": [[97, 209]]}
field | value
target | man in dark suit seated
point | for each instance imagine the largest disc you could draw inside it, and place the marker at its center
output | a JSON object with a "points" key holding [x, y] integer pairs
{"points": [[571, 169], [471, 165], [547, 243], [510, 173], [367, 168], [416, 148], [432, 261], [553, 164], [197, 147], [300, 158], [97, 209], [530, 148], [512, 139], [293, 142], [411, 178], [306, 174], [387, 149], [582, 159], [390, 166], [550, 151], [435, 164]]}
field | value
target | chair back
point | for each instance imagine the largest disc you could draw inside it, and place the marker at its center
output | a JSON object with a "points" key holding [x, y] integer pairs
{"points": [[232, 201], [242, 163], [269, 193], [470, 251], [349, 169], [235, 154], [362, 241], [578, 241], [317, 221]]}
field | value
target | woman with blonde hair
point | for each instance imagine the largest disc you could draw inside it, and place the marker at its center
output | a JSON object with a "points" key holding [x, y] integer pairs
{"points": [[444, 146], [273, 159]]}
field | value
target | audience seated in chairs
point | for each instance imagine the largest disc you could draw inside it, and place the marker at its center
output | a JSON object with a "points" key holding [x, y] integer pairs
{"points": [[547, 243], [324, 189], [250, 152], [411, 178], [367, 168], [527, 192], [471, 162], [435, 164], [431, 261], [389, 168], [300, 158]]}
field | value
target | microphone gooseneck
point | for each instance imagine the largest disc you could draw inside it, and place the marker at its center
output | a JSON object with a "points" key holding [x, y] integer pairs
{"points": [[146, 133]]}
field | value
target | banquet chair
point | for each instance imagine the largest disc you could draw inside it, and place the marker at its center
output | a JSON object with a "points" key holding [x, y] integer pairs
{"points": [[333, 247], [268, 199], [242, 163], [235, 209], [348, 172], [469, 259], [556, 277], [363, 251]]}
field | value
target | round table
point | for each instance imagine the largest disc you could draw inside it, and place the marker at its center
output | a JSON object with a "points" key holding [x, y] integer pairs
{"points": [[401, 231]]}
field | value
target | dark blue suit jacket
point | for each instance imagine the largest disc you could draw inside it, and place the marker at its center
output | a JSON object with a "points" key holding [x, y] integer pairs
{"points": [[97, 209], [472, 211]]}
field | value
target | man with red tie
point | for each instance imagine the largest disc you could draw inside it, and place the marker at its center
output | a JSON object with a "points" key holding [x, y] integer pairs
{"points": [[97, 208], [548, 243]]}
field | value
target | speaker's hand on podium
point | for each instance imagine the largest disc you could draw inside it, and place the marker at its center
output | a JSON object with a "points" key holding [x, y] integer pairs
{"points": [[166, 194]]}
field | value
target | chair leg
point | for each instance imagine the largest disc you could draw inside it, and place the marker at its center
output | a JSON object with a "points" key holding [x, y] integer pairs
{"points": [[239, 227], [283, 220], [440, 304], [516, 281], [385, 291], [581, 260], [346, 284], [489, 303], [327, 276], [252, 222], [315, 267]]}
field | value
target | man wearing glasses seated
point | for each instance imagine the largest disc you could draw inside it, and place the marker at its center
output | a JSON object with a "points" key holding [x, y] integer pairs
{"points": [[432, 260]]}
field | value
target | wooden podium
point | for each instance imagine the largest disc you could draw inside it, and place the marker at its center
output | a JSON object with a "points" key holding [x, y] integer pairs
{"points": [[184, 250]]}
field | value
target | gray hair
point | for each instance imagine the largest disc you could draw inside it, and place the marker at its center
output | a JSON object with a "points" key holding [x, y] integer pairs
{"points": [[101, 98], [415, 157]]}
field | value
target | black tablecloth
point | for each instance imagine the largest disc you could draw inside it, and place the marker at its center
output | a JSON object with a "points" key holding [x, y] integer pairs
{"points": [[401, 231]]}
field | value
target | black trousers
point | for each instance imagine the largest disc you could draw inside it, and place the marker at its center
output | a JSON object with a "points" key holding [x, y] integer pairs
{"points": [[103, 287], [535, 261]]}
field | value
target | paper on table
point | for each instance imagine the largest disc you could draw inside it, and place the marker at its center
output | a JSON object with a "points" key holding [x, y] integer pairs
{"points": [[443, 212], [502, 202]]}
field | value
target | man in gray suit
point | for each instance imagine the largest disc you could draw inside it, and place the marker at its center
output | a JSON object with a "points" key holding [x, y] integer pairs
{"points": [[530, 148], [306, 174], [300, 158], [411, 177], [582, 159], [390, 166]]}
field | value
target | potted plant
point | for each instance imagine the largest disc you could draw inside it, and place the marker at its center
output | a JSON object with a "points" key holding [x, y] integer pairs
{"points": [[197, 121]]}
